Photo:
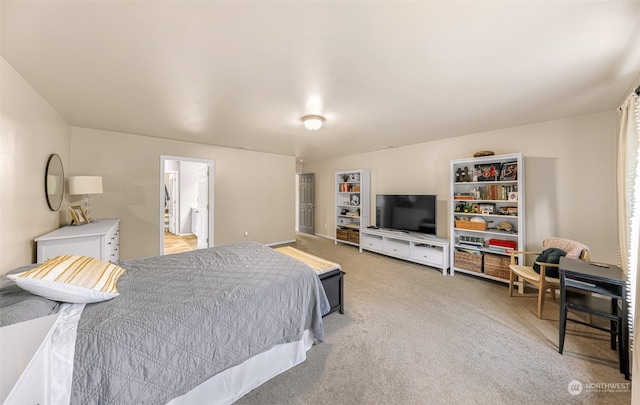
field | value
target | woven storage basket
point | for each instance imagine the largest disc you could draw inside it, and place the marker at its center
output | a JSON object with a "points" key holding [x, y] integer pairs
{"points": [[342, 234], [467, 261], [496, 265], [353, 236], [476, 226]]}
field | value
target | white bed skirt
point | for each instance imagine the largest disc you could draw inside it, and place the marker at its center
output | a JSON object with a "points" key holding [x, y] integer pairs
{"points": [[55, 352], [230, 385]]}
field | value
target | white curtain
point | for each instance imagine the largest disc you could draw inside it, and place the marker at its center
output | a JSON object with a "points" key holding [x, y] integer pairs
{"points": [[628, 185]]}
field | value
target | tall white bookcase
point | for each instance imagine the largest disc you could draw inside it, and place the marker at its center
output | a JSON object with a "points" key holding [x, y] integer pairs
{"points": [[489, 189], [353, 205]]}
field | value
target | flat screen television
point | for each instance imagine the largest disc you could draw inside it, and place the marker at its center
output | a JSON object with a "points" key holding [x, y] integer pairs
{"points": [[409, 213]]}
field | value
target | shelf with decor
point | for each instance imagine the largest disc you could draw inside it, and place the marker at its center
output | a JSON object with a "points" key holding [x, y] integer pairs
{"points": [[487, 214], [352, 207]]}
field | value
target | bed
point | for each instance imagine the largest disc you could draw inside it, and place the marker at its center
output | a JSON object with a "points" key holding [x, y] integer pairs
{"points": [[198, 327]]}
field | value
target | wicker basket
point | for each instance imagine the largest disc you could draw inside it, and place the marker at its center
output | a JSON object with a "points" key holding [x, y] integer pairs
{"points": [[467, 261], [496, 265], [475, 226], [342, 234], [353, 236]]}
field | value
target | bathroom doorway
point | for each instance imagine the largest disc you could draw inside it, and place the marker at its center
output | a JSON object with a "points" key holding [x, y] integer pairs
{"points": [[186, 204]]}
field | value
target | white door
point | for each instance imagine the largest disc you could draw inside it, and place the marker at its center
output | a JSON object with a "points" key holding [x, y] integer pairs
{"points": [[173, 202], [203, 207]]}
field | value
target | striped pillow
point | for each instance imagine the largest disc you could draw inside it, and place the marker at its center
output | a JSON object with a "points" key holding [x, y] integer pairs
{"points": [[74, 279]]}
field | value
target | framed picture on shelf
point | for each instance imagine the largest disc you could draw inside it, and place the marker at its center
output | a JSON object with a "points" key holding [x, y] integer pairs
{"points": [[487, 172], [355, 199], [486, 208], [79, 215], [509, 171]]}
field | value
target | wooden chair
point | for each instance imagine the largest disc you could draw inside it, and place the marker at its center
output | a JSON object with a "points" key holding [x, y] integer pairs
{"points": [[527, 274]]}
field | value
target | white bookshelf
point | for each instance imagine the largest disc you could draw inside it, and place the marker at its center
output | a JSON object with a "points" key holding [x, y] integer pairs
{"points": [[496, 199], [353, 205]]}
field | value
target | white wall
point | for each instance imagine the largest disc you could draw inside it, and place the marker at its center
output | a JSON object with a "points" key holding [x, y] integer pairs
{"points": [[30, 131], [570, 178], [254, 192]]}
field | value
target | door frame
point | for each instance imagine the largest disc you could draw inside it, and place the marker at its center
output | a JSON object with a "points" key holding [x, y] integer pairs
{"points": [[161, 197]]}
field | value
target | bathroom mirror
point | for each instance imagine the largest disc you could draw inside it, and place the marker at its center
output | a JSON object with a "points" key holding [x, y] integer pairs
{"points": [[54, 182]]}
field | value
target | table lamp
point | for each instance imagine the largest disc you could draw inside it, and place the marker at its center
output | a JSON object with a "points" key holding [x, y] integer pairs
{"points": [[85, 185]]}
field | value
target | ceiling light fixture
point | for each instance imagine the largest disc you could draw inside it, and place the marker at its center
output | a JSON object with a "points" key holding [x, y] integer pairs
{"points": [[312, 122]]}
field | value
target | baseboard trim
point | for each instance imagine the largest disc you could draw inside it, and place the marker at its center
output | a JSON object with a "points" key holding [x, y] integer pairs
{"points": [[280, 243]]}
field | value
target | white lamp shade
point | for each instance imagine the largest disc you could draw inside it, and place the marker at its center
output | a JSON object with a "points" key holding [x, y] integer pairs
{"points": [[312, 122], [85, 185]]}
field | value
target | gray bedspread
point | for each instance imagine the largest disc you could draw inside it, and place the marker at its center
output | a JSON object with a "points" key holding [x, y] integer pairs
{"points": [[182, 318], [18, 305]]}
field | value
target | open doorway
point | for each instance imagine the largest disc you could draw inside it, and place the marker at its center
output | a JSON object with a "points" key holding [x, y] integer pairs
{"points": [[186, 204]]}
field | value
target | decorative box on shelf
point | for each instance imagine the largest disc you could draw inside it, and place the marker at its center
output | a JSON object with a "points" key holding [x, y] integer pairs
{"points": [[475, 226], [344, 221]]}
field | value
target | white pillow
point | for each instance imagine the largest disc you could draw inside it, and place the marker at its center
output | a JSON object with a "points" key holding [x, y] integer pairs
{"points": [[74, 279]]}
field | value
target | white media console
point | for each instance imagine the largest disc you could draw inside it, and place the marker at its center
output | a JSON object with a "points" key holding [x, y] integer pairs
{"points": [[423, 249]]}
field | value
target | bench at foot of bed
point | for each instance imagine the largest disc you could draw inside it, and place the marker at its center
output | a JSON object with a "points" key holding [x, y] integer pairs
{"points": [[333, 283], [330, 273]]}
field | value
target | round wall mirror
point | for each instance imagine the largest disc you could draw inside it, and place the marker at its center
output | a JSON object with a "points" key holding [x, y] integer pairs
{"points": [[54, 182]]}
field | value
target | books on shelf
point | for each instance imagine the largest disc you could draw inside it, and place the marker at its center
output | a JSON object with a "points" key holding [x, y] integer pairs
{"points": [[472, 244], [502, 245], [499, 249], [494, 192], [463, 196]]}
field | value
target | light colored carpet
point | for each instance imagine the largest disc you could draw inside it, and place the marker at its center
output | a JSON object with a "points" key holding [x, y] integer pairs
{"points": [[410, 335]]}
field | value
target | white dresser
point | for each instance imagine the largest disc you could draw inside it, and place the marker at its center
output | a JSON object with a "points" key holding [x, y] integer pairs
{"points": [[99, 239]]}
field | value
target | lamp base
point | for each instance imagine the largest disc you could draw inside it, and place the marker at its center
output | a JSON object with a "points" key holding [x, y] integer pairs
{"points": [[86, 202]]}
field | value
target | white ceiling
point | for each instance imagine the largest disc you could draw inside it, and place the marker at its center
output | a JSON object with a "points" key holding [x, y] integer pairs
{"points": [[242, 74]]}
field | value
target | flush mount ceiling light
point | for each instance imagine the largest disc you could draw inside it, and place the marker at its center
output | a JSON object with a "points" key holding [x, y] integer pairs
{"points": [[312, 122]]}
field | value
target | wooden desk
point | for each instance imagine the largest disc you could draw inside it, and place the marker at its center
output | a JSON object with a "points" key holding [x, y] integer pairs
{"points": [[609, 282]]}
